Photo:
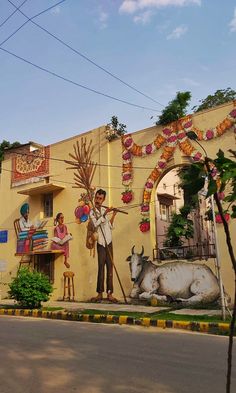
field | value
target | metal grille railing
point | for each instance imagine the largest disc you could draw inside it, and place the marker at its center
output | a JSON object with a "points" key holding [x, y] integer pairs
{"points": [[196, 251]]}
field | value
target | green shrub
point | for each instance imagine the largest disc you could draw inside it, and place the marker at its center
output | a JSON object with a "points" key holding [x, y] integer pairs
{"points": [[30, 288]]}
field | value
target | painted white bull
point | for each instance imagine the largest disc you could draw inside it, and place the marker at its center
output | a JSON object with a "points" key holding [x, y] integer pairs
{"points": [[187, 282]]}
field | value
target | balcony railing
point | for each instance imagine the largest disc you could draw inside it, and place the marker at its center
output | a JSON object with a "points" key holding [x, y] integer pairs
{"points": [[197, 251]]}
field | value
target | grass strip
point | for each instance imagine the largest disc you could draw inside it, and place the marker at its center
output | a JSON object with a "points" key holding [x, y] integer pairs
{"points": [[158, 315]]}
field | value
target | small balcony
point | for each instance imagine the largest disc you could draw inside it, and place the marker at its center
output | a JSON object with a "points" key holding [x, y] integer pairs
{"points": [[193, 252]]}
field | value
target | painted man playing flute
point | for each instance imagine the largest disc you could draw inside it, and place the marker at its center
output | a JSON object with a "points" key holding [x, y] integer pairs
{"points": [[104, 226]]}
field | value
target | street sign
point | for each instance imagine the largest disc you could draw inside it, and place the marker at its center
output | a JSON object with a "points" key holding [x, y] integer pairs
{"points": [[3, 236]]}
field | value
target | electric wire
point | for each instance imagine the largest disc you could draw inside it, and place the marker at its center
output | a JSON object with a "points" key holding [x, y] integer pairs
{"points": [[82, 163], [72, 183], [74, 222], [75, 83], [30, 19], [84, 56], [16, 9]]}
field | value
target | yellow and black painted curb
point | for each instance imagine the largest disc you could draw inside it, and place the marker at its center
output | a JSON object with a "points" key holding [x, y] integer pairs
{"points": [[205, 327]]}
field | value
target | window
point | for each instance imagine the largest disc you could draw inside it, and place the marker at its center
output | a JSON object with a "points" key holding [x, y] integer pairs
{"points": [[48, 205], [165, 212], [45, 264]]}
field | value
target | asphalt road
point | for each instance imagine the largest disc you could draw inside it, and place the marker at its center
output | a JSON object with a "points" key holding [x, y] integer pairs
{"points": [[45, 356]]}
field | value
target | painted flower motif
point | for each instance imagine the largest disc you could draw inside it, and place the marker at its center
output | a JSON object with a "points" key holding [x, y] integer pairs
{"points": [[219, 220], [188, 124], [128, 142], [197, 156], [181, 135], [161, 164], [209, 134], [126, 176], [127, 196], [167, 131], [144, 226], [172, 138], [214, 172], [126, 155], [149, 184], [221, 195], [233, 113], [148, 149], [145, 208]]}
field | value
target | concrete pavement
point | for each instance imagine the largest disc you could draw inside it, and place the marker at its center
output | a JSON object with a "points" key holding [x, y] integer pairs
{"points": [[113, 307]]}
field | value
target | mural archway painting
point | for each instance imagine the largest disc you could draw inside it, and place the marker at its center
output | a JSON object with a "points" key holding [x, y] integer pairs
{"points": [[172, 136]]}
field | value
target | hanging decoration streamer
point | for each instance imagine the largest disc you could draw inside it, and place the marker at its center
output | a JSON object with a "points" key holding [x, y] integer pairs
{"points": [[172, 136]]}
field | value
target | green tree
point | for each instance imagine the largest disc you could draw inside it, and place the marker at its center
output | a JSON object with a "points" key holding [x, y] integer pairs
{"points": [[176, 108], [4, 145], [180, 227], [218, 98], [115, 129], [190, 198]]}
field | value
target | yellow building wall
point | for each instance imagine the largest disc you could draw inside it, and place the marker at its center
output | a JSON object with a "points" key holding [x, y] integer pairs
{"points": [[108, 176]]}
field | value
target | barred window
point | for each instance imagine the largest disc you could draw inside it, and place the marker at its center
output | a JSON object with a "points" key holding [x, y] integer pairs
{"points": [[48, 205]]}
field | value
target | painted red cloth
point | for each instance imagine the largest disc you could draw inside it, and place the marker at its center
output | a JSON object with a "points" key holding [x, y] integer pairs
{"points": [[61, 231]]}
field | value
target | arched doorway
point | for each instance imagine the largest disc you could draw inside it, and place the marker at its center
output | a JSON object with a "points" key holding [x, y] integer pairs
{"points": [[169, 200]]}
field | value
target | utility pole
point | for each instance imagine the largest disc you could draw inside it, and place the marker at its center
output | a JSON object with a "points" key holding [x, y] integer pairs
{"points": [[218, 264]]}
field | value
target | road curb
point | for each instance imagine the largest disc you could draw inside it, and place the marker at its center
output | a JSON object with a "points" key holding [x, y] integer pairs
{"points": [[204, 327]]}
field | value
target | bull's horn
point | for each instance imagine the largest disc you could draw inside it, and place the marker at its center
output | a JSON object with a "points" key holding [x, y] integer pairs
{"points": [[142, 251], [132, 250]]}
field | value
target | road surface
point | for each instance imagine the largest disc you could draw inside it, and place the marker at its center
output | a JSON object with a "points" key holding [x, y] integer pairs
{"points": [[45, 356]]}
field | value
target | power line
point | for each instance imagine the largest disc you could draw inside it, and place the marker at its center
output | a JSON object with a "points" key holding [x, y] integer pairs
{"points": [[84, 56], [16, 9], [128, 207], [30, 19], [63, 160], [75, 83], [72, 183]]}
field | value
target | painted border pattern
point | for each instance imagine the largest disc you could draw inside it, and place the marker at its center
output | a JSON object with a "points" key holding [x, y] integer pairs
{"points": [[203, 327]]}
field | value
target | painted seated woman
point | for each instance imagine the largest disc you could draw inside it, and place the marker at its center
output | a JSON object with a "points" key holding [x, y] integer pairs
{"points": [[61, 238]]}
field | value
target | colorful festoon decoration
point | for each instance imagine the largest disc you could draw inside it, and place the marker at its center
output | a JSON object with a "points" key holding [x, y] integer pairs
{"points": [[174, 135]]}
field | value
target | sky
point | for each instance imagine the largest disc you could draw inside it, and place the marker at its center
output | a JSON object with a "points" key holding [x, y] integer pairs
{"points": [[157, 47]]}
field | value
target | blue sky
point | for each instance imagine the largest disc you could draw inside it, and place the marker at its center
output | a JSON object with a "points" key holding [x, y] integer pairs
{"points": [[157, 46]]}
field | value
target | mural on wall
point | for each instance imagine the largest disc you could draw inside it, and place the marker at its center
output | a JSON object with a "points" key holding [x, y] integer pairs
{"points": [[173, 136], [188, 283], [82, 212], [61, 238], [30, 237], [91, 205], [29, 166]]}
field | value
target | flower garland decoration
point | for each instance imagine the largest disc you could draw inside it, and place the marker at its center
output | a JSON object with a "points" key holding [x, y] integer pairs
{"points": [[172, 136], [220, 129], [129, 149]]}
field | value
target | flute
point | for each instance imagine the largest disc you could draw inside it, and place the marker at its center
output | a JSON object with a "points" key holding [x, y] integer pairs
{"points": [[116, 210]]}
